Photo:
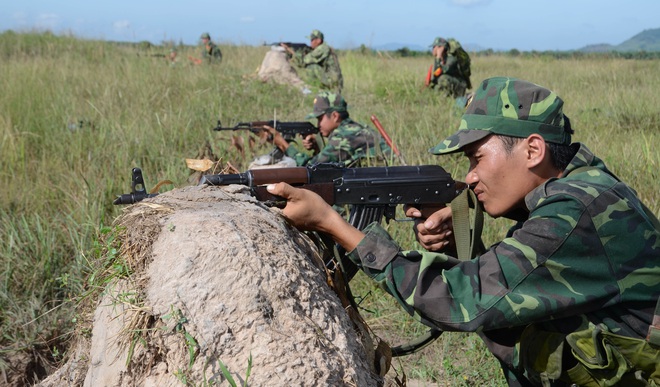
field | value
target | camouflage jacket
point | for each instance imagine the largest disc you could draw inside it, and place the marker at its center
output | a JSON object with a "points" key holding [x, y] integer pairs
{"points": [[448, 78], [211, 53], [349, 143], [587, 255], [321, 67]]}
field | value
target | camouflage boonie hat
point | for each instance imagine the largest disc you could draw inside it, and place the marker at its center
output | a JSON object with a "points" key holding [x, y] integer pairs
{"points": [[510, 107], [326, 102], [315, 34], [205, 35], [439, 42]]}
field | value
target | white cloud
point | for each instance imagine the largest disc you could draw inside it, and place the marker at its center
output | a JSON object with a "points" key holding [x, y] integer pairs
{"points": [[247, 19], [121, 25]]}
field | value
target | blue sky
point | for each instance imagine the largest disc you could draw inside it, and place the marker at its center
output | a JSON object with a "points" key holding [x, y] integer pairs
{"points": [[497, 24]]}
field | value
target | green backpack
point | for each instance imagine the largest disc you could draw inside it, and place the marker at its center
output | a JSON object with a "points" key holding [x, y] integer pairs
{"points": [[457, 51]]}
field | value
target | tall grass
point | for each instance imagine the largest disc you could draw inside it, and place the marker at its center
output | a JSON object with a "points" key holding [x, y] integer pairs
{"points": [[76, 116]]}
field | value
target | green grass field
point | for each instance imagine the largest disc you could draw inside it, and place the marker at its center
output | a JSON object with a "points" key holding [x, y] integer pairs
{"points": [[76, 116]]}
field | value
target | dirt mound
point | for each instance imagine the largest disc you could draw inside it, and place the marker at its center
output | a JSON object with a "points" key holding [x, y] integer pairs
{"points": [[276, 68], [217, 280]]}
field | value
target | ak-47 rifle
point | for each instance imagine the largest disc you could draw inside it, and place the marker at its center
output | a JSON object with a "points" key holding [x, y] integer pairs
{"points": [[289, 130], [371, 194]]}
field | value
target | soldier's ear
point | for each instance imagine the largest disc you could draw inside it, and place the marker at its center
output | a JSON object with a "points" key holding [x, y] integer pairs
{"points": [[535, 148], [335, 117]]}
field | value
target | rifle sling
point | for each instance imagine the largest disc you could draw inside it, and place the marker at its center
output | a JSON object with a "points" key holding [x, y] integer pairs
{"points": [[416, 344], [467, 225]]}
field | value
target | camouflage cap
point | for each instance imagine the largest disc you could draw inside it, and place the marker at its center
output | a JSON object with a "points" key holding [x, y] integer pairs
{"points": [[315, 34], [205, 35], [326, 102], [510, 107], [439, 42]]}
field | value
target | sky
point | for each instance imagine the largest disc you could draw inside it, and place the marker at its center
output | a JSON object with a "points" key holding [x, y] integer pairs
{"points": [[497, 24]]}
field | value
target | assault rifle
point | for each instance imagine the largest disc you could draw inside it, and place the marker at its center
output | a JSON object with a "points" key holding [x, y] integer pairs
{"points": [[372, 192], [289, 130]]}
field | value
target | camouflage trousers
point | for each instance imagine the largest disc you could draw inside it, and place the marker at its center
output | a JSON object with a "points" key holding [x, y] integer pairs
{"points": [[451, 86], [592, 357], [325, 80]]}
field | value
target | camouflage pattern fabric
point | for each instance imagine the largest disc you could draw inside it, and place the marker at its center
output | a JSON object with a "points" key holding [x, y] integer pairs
{"points": [[439, 41], [327, 102], [321, 68], [351, 143], [211, 53], [510, 107], [587, 256], [447, 77], [316, 34]]}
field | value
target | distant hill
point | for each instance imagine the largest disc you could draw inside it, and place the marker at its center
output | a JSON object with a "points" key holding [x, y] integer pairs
{"points": [[647, 40], [598, 48]]}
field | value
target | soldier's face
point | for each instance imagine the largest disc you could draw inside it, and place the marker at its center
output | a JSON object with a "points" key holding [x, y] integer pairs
{"points": [[438, 51], [327, 123], [499, 179], [315, 42]]}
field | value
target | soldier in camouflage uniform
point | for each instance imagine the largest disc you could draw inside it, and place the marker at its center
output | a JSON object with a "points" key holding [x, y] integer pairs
{"points": [[446, 76], [568, 297], [211, 53], [321, 66], [348, 142]]}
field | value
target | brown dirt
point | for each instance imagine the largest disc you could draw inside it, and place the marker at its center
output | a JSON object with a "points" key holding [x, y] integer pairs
{"points": [[217, 277], [276, 68]]}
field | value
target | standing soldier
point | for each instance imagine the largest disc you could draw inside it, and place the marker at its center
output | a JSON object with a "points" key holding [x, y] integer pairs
{"points": [[321, 64]]}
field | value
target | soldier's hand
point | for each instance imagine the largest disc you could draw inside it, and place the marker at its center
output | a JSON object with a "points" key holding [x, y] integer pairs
{"points": [[276, 137], [433, 227], [308, 211], [304, 209], [309, 142], [287, 48]]}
